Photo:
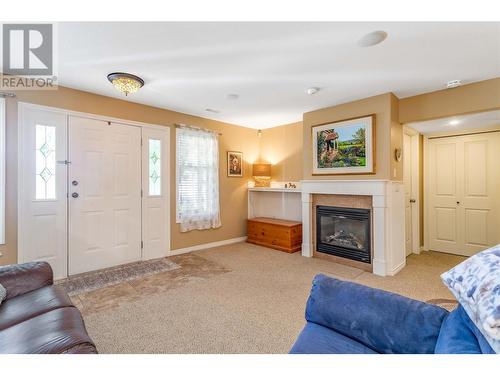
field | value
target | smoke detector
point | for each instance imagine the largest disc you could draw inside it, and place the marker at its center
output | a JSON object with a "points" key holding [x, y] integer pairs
{"points": [[312, 90], [454, 83]]}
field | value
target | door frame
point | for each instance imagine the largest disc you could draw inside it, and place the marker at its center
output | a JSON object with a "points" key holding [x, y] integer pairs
{"points": [[165, 159], [415, 187]]}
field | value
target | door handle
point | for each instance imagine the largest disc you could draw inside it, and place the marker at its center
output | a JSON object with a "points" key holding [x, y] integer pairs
{"points": [[412, 200], [458, 202], [75, 195]]}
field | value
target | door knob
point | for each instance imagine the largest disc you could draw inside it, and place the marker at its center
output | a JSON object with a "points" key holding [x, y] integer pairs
{"points": [[74, 182], [458, 202], [74, 195]]}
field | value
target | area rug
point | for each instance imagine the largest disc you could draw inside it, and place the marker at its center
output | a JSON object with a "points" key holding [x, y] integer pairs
{"points": [[90, 281]]}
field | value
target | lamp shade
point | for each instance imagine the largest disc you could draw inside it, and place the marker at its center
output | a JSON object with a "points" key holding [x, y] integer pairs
{"points": [[261, 170]]}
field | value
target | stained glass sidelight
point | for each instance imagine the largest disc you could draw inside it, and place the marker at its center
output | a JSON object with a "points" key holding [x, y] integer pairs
{"points": [[154, 167], [45, 162]]}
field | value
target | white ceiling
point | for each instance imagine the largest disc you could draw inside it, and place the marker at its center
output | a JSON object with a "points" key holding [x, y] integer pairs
{"points": [[189, 67], [474, 121]]}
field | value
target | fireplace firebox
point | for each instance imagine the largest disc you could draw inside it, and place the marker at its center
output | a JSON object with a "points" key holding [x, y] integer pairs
{"points": [[344, 232]]}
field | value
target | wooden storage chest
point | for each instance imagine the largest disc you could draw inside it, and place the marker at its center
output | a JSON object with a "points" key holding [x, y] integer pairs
{"points": [[284, 235]]}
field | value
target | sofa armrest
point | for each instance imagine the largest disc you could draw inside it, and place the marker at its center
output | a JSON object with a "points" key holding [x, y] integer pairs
{"points": [[23, 278], [383, 321]]}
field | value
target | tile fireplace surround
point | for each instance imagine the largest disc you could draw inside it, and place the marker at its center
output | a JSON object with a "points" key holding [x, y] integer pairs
{"points": [[388, 227]]}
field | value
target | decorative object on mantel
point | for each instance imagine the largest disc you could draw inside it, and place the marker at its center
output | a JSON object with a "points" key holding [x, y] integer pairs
{"points": [[261, 173], [290, 185], [398, 154], [344, 147], [234, 164], [283, 235]]}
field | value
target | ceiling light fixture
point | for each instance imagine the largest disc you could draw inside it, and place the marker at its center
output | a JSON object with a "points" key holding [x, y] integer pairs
{"points": [[454, 122], [125, 82], [372, 39], [312, 90], [454, 83]]}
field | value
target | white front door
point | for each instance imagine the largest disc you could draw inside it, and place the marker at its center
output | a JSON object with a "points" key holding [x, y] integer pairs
{"points": [[407, 152], [42, 194], [104, 194], [464, 193]]}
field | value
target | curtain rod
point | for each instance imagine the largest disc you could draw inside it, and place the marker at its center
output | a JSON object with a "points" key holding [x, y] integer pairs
{"points": [[195, 127]]}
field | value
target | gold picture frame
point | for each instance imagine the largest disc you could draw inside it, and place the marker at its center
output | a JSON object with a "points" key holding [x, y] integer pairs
{"points": [[234, 164]]}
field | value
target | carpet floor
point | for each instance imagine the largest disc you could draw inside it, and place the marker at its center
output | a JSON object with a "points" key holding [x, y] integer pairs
{"points": [[238, 298]]}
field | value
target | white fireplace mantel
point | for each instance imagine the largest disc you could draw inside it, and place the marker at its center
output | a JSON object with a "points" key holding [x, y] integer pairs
{"points": [[388, 215]]}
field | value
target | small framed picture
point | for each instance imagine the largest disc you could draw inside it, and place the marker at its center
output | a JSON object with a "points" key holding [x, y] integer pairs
{"points": [[344, 147], [234, 164]]}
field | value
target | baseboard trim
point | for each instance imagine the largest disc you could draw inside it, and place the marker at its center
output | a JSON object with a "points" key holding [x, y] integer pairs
{"points": [[208, 245], [397, 269]]}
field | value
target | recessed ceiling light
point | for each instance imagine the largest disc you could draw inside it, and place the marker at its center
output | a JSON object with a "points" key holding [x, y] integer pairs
{"points": [[372, 39], [454, 122], [454, 83], [232, 96], [212, 110], [312, 90]]}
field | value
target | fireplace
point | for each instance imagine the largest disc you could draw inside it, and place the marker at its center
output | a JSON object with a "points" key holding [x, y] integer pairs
{"points": [[344, 232]]}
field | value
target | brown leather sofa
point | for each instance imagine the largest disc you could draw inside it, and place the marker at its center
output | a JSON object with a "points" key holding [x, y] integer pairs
{"points": [[37, 316]]}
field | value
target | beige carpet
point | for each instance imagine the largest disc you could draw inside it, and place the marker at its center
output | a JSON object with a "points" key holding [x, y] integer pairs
{"points": [[253, 303]]}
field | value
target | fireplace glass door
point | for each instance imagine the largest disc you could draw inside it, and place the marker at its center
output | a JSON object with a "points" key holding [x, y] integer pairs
{"points": [[344, 232]]}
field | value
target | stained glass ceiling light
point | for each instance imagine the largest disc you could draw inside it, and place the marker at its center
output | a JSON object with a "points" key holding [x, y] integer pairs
{"points": [[125, 82]]}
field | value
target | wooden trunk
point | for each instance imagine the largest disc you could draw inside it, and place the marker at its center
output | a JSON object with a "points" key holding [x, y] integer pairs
{"points": [[284, 235]]}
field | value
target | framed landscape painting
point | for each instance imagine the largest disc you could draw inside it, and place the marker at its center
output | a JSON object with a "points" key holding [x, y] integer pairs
{"points": [[234, 164], [344, 147]]}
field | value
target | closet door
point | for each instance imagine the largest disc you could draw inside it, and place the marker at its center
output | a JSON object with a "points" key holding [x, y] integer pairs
{"points": [[479, 192], [104, 194], [464, 193]]}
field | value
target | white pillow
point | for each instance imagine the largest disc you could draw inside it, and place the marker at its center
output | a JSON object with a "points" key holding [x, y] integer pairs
{"points": [[3, 293], [476, 285]]}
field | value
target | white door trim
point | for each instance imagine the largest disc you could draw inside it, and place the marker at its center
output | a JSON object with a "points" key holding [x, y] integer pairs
{"points": [[415, 187], [25, 105]]}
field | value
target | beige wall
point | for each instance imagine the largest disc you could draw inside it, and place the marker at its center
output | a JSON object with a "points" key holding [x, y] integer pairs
{"points": [[282, 146], [475, 97], [232, 190], [388, 134]]}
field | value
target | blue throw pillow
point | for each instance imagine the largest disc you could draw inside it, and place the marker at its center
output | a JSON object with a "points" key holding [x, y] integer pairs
{"points": [[476, 285]]}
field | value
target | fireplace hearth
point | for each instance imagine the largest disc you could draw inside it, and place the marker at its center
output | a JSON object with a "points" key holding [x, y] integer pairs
{"points": [[344, 232]]}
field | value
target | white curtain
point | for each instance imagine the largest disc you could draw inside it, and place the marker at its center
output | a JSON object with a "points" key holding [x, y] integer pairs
{"points": [[197, 179]]}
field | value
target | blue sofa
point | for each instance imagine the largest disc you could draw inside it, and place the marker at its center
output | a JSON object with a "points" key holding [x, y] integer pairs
{"points": [[348, 318]]}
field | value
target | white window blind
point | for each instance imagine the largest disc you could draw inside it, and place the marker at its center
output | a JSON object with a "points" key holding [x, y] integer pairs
{"points": [[197, 170]]}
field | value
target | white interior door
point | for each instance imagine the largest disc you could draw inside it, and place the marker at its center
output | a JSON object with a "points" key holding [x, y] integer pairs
{"points": [[42, 182], [464, 193], [407, 182], [104, 194], [156, 192]]}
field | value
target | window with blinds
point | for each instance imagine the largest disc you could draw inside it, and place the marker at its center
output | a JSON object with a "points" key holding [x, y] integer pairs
{"points": [[197, 180]]}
